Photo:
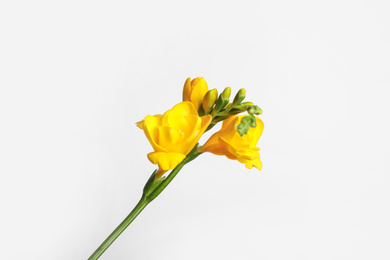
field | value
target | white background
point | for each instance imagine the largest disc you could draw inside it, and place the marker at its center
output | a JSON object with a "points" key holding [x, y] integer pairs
{"points": [[75, 76]]}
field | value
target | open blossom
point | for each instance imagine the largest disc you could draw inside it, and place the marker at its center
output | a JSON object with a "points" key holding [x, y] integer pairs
{"points": [[228, 142], [195, 90], [173, 134]]}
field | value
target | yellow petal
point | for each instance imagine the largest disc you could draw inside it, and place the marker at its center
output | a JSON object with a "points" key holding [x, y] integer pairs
{"points": [[151, 124], [140, 124], [187, 137], [250, 157], [195, 81], [248, 154], [187, 90], [227, 149], [166, 161], [227, 131], [181, 117], [199, 90], [258, 130], [184, 108], [168, 137], [219, 146], [206, 120], [213, 141], [257, 163], [252, 137], [229, 128], [201, 127]]}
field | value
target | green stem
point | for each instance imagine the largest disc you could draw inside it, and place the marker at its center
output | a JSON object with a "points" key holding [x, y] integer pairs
{"points": [[191, 156], [150, 194], [122, 226]]}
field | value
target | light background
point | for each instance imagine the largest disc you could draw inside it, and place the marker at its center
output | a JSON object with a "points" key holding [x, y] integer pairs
{"points": [[75, 76]]}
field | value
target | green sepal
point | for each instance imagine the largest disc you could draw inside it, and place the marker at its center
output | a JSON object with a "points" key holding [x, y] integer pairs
{"points": [[201, 111], [152, 184]]}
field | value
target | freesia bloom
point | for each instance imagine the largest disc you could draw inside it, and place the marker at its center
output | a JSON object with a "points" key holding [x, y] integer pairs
{"points": [[228, 142], [173, 134], [195, 91]]}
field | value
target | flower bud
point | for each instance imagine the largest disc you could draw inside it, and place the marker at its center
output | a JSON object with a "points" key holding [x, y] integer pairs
{"points": [[222, 101], [239, 96], [254, 110], [194, 91], [247, 104], [209, 99], [226, 93], [251, 110]]}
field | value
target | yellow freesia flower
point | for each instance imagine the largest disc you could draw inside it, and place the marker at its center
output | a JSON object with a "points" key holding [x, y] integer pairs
{"points": [[195, 91], [228, 142], [173, 134]]}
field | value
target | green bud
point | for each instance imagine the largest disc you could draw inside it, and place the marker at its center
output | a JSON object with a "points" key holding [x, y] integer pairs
{"points": [[239, 96], [247, 104], [226, 93], [209, 99], [222, 101], [259, 111], [246, 122], [243, 127], [253, 122], [251, 110], [254, 110]]}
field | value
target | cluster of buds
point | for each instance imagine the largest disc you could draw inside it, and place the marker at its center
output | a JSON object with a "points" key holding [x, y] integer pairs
{"points": [[220, 108]]}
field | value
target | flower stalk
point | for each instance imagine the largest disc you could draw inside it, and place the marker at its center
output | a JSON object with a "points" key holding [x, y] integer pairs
{"points": [[122, 226], [174, 137], [152, 189]]}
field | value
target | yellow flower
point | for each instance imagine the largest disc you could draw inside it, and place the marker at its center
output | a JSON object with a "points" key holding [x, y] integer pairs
{"points": [[173, 134], [195, 91], [228, 142]]}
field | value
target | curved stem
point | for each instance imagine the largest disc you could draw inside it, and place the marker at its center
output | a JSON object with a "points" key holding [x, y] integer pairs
{"points": [[122, 226], [150, 194]]}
